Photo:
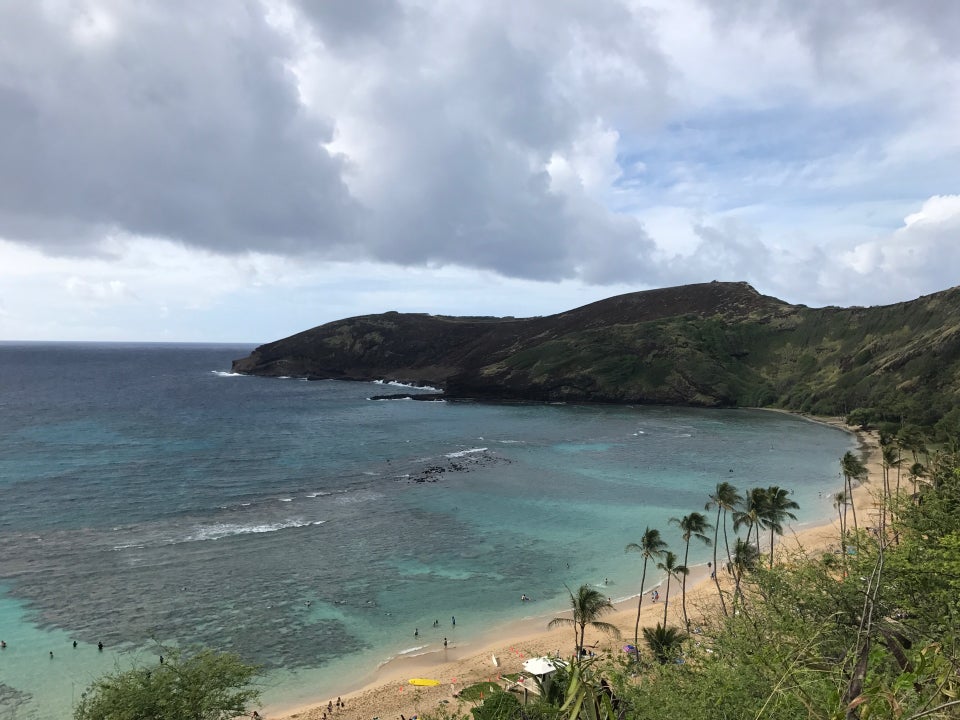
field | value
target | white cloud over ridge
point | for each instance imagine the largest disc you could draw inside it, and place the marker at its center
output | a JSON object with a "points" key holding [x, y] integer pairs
{"points": [[607, 147]]}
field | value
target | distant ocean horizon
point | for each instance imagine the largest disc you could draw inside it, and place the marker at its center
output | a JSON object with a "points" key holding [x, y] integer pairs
{"points": [[151, 497]]}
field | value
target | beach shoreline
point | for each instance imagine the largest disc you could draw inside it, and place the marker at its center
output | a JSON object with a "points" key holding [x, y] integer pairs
{"points": [[503, 648]]}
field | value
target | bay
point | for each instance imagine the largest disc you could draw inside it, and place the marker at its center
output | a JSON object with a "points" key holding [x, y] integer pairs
{"points": [[149, 497]]}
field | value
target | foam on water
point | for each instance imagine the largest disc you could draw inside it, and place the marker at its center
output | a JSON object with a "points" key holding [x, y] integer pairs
{"points": [[463, 453], [222, 530], [396, 383]]}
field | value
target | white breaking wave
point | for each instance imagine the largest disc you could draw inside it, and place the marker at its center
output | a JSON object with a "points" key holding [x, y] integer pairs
{"points": [[396, 383], [411, 650], [465, 452], [222, 530], [223, 373]]}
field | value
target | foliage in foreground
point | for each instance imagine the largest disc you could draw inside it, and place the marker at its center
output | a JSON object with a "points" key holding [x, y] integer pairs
{"points": [[812, 641], [204, 685]]}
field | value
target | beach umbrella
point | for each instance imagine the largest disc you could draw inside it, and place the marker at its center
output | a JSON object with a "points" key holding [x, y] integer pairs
{"points": [[541, 665]]}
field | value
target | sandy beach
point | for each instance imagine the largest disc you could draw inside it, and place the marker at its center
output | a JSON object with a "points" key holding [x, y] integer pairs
{"points": [[505, 648]]}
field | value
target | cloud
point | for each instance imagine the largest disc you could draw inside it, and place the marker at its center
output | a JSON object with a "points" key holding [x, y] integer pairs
{"points": [[107, 291], [621, 143], [128, 116], [923, 253]]}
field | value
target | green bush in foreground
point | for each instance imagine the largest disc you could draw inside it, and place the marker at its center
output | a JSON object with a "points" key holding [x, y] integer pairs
{"points": [[204, 685]]}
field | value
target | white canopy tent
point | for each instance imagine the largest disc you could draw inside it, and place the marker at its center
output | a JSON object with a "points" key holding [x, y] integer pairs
{"points": [[542, 665]]}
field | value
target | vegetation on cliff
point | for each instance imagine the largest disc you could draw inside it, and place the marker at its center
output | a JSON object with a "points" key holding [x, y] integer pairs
{"points": [[710, 344]]}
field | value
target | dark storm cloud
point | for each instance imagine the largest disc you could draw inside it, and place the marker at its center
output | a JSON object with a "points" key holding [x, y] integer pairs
{"points": [[345, 23], [177, 120], [185, 121]]}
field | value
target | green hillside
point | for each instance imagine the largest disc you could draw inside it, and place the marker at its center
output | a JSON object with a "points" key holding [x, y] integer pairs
{"points": [[710, 344]]}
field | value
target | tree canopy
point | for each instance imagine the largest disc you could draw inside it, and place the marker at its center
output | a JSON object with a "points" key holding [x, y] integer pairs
{"points": [[200, 685]]}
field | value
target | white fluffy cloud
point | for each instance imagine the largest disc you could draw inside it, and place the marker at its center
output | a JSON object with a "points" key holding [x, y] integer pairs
{"points": [[924, 252], [577, 147]]}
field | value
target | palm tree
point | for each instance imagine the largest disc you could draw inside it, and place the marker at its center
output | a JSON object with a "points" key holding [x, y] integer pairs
{"points": [[917, 471], [840, 504], [650, 546], [751, 513], [745, 557], [776, 509], [663, 642], [588, 605], [725, 498], [891, 459], [853, 469], [670, 567], [911, 438], [693, 525]]}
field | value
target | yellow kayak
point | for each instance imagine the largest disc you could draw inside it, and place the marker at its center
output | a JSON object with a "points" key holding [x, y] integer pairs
{"points": [[424, 681]]}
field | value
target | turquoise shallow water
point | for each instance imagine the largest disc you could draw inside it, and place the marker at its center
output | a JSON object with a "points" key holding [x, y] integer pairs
{"points": [[148, 495]]}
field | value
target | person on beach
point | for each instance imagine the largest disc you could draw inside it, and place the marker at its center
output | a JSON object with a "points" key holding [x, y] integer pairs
{"points": [[453, 620], [330, 706], [416, 633], [100, 646], [444, 642]]}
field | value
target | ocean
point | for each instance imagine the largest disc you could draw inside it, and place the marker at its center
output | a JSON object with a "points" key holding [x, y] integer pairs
{"points": [[150, 498]]}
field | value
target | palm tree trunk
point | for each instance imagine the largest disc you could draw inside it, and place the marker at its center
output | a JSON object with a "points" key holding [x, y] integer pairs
{"points": [[853, 506], [636, 629], [896, 533], [716, 579], [771, 548], [666, 601], [726, 539], [683, 586], [886, 499]]}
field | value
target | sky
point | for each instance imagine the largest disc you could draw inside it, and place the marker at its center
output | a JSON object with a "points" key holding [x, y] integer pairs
{"points": [[241, 170]]}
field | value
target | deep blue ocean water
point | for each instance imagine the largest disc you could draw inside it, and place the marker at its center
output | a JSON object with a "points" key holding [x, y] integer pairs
{"points": [[149, 496]]}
